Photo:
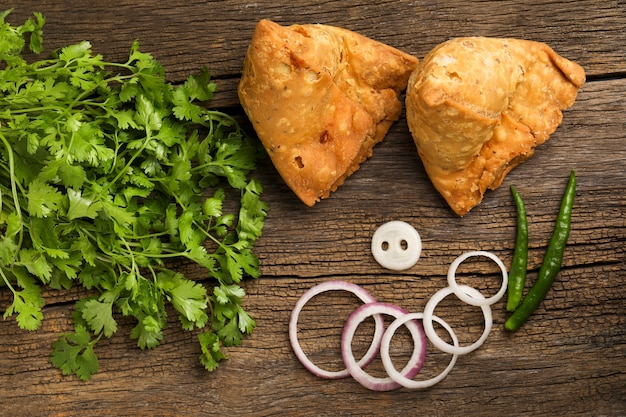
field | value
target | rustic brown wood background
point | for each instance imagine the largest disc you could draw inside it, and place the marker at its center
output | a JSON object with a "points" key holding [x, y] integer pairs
{"points": [[570, 359]]}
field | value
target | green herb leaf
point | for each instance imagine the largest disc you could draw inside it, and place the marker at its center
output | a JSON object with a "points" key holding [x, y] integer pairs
{"points": [[99, 315], [80, 206], [43, 199], [211, 350], [27, 303], [188, 298], [73, 354]]}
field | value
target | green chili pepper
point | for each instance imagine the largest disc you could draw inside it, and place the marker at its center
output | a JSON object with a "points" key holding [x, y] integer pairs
{"points": [[517, 272], [551, 261]]}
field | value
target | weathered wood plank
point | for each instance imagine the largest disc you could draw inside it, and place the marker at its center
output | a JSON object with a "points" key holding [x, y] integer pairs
{"points": [[569, 360], [216, 33]]}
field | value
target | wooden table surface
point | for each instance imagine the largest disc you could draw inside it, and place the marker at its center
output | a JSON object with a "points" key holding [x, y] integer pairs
{"points": [[570, 359]]}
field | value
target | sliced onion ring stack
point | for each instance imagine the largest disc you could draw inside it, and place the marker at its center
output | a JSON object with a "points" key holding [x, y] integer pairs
{"points": [[382, 338], [415, 362]]}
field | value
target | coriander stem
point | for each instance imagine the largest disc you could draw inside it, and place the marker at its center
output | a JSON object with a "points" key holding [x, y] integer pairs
{"points": [[16, 200], [209, 235], [6, 281], [130, 161], [37, 109], [133, 267]]}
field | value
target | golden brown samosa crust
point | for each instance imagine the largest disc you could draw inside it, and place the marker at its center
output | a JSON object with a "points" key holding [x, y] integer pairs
{"points": [[478, 107], [319, 98]]}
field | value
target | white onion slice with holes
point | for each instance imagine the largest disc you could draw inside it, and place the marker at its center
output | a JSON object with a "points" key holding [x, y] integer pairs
{"points": [[391, 369], [293, 327], [412, 367], [464, 296], [434, 337]]}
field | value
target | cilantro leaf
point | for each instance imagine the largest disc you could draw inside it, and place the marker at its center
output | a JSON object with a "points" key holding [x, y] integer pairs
{"points": [[224, 293], [27, 303], [211, 351], [252, 213], [45, 239], [146, 115], [230, 333], [189, 298], [99, 315], [231, 321], [69, 175], [213, 206], [245, 321], [81, 206], [148, 332], [73, 354], [43, 199], [36, 263], [8, 248]]}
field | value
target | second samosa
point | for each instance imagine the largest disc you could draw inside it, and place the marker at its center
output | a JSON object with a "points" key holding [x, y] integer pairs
{"points": [[478, 107]]}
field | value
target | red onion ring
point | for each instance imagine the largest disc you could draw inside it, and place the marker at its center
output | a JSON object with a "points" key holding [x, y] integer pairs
{"points": [[465, 297], [391, 369], [427, 321], [293, 328], [415, 362]]}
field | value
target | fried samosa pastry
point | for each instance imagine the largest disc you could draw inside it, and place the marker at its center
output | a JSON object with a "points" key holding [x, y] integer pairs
{"points": [[319, 98], [478, 107]]}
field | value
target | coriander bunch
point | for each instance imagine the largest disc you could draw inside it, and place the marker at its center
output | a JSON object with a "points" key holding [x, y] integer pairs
{"points": [[107, 174]]}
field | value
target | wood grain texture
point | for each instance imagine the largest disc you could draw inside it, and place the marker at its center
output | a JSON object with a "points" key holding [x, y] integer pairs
{"points": [[570, 359]]}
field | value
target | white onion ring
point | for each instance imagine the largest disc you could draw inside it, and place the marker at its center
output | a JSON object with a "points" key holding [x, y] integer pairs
{"points": [[374, 383], [465, 297], [391, 369], [293, 327], [434, 337]]}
